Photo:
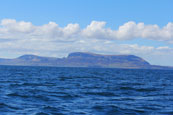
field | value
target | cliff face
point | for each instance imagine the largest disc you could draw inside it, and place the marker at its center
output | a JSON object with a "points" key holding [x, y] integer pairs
{"points": [[80, 59]]}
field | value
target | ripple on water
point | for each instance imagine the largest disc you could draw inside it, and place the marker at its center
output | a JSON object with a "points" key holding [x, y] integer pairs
{"points": [[85, 91], [115, 110]]}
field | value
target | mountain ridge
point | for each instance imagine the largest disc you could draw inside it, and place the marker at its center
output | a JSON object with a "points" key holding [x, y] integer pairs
{"points": [[83, 59]]}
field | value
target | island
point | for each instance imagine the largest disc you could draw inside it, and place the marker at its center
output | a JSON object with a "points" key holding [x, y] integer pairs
{"points": [[84, 59]]}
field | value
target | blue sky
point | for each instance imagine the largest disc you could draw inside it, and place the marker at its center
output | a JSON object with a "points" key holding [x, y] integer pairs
{"points": [[114, 13]]}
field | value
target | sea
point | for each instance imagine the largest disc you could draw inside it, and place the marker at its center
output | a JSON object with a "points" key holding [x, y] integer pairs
{"points": [[85, 91]]}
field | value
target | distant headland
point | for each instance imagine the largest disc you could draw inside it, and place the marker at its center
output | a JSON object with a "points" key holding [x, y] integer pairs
{"points": [[84, 59]]}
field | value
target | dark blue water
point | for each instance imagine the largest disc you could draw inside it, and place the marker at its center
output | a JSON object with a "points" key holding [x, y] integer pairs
{"points": [[80, 91]]}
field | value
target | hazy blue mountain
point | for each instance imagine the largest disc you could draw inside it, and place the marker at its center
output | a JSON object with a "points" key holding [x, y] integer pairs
{"points": [[97, 60], [83, 59]]}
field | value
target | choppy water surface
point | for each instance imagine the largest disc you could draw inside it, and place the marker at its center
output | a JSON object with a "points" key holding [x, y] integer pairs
{"points": [[80, 91]]}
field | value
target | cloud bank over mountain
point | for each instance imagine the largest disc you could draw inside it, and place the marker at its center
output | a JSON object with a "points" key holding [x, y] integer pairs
{"points": [[20, 37], [10, 28]]}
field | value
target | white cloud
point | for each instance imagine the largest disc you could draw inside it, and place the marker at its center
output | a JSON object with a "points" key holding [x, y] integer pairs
{"points": [[10, 28]]}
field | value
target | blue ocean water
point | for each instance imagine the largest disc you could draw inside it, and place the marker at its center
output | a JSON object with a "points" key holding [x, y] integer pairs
{"points": [[85, 91]]}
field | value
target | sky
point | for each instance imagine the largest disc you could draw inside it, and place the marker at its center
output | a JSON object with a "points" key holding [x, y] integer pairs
{"points": [[55, 28]]}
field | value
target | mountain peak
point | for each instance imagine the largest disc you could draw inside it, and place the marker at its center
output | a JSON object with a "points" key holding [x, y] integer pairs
{"points": [[28, 57], [81, 54]]}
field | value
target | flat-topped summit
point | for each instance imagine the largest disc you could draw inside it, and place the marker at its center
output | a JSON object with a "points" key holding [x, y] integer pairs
{"points": [[92, 54], [108, 60]]}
